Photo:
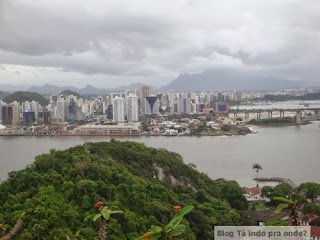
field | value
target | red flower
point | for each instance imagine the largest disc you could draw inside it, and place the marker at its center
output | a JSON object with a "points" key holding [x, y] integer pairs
{"points": [[177, 208], [98, 204], [146, 234]]}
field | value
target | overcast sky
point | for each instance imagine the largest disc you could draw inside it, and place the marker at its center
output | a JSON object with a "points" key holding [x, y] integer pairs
{"points": [[108, 43]]}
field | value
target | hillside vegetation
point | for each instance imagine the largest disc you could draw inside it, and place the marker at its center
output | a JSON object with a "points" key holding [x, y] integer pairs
{"points": [[272, 121], [60, 188], [22, 96]]}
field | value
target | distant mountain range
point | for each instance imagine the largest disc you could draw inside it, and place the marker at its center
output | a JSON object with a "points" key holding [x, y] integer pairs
{"points": [[218, 80], [223, 80], [52, 89]]}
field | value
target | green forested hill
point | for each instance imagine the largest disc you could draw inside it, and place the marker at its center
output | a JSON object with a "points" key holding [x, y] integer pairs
{"points": [[21, 96], [59, 190]]}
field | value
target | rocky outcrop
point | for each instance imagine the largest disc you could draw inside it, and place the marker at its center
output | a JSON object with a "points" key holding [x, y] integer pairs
{"points": [[169, 180]]}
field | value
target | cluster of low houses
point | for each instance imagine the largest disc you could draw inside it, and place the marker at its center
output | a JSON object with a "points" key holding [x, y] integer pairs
{"points": [[262, 216]]}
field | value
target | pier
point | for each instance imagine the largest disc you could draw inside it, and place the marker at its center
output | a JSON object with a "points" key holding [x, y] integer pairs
{"points": [[277, 179]]}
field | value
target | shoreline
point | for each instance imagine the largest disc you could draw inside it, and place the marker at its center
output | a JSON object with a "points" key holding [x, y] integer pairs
{"points": [[124, 135]]}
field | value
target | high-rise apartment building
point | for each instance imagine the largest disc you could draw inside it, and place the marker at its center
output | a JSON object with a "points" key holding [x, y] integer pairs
{"points": [[10, 114], [152, 105], [118, 109], [62, 110], [145, 92], [132, 108], [184, 105]]}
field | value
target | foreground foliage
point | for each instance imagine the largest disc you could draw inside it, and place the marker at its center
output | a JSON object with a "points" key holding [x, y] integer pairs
{"points": [[58, 190]]}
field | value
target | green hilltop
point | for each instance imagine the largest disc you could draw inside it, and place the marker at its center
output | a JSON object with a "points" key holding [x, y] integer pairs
{"points": [[60, 189], [22, 96]]}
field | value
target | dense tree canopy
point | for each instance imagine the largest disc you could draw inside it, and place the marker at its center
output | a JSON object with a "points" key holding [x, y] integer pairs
{"points": [[60, 188]]}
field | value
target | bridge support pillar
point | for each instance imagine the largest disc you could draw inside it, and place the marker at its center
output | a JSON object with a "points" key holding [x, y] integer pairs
{"points": [[269, 114], [298, 117], [246, 116], [281, 113], [258, 115]]}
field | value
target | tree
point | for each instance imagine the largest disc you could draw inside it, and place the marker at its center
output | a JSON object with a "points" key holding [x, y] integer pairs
{"points": [[276, 222], [315, 222], [291, 205], [311, 190], [311, 208], [3, 228], [257, 167]]}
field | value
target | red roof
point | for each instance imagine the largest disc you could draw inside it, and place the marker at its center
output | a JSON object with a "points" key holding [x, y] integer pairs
{"points": [[308, 217], [253, 191], [315, 231]]}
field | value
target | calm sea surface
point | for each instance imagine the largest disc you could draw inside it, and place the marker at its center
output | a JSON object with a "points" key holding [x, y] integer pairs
{"points": [[291, 151]]}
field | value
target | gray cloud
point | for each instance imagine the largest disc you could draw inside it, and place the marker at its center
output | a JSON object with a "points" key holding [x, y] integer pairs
{"points": [[113, 42]]}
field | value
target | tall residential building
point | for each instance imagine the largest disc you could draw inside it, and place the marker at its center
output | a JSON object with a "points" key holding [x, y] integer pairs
{"points": [[152, 105], [28, 117], [118, 109], [172, 96], [44, 116], [62, 110], [10, 114], [145, 92], [184, 105], [132, 108]]}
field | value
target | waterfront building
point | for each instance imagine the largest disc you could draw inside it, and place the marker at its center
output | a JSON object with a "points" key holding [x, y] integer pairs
{"points": [[118, 109], [132, 108], [145, 92], [29, 117], [119, 129], [44, 116], [152, 105], [10, 114]]}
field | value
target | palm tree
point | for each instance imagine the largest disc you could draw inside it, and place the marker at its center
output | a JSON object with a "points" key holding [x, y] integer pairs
{"points": [[291, 205], [257, 168]]}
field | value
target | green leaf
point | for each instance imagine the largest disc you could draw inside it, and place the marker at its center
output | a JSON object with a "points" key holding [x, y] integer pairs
{"points": [[155, 228], [104, 209], [178, 230], [88, 217], [116, 211], [283, 200], [106, 216], [280, 207], [179, 215], [155, 237], [97, 216]]}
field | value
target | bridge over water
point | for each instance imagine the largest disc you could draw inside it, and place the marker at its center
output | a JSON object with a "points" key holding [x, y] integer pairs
{"points": [[270, 112]]}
